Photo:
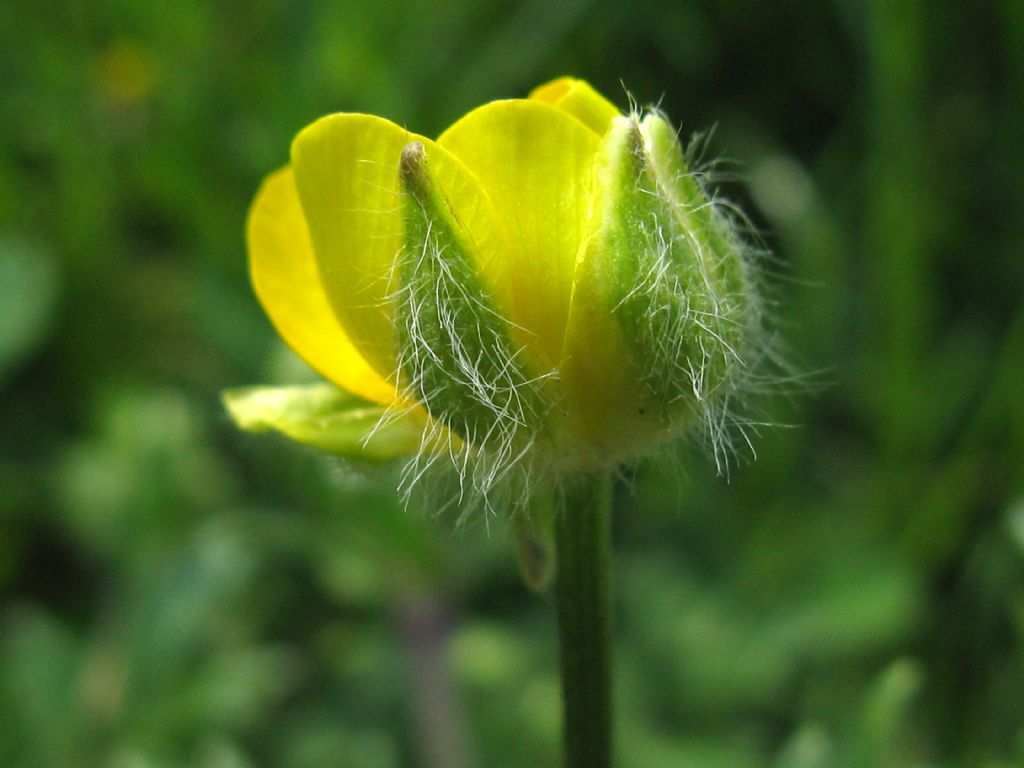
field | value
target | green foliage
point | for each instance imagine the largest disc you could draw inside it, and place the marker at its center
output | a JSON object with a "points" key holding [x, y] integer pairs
{"points": [[176, 593]]}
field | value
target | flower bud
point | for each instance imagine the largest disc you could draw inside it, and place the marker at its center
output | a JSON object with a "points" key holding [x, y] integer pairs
{"points": [[547, 286]]}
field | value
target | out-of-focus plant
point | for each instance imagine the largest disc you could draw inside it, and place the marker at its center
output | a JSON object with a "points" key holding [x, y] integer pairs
{"points": [[878, 143]]}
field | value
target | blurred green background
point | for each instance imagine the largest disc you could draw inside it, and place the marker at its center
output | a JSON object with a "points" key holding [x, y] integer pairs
{"points": [[175, 593]]}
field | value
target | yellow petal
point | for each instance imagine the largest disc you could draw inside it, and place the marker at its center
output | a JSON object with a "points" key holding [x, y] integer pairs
{"points": [[579, 99], [346, 171], [535, 163], [287, 283]]}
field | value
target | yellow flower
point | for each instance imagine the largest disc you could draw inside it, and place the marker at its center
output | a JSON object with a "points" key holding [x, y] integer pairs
{"points": [[544, 286]]}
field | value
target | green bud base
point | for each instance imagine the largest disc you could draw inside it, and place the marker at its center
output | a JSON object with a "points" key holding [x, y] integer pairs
{"points": [[583, 541]]}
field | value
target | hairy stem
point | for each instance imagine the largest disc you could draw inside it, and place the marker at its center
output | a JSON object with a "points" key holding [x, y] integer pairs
{"points": [[583, 540]]}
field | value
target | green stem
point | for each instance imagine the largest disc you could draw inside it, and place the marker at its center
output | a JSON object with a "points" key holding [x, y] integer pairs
{"points": [[583, 540]]}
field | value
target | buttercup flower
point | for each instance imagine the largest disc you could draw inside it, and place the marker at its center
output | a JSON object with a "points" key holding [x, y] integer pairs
{"points": [[546, 286]]}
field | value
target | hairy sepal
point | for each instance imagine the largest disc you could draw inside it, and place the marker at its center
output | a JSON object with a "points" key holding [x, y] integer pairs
{"points": [[661, 289], [456, 356]]}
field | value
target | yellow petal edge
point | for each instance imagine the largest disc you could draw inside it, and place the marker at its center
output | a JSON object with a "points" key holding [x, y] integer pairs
{"points": [[579, 99], [287, 283]]}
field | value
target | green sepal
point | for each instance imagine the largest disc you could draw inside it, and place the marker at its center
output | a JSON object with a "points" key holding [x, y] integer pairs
{"points": [[455, 352], [327, 418], [677, 275], [692, 205]]}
